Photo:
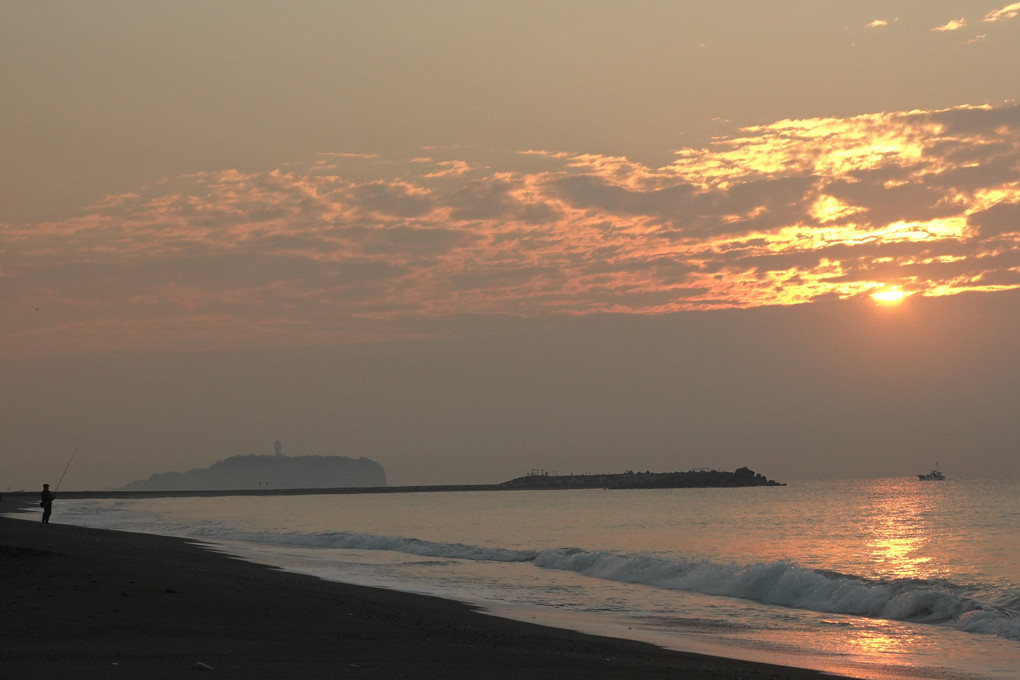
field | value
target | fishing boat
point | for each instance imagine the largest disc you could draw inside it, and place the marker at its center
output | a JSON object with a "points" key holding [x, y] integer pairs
{"points": [[934, 476]]}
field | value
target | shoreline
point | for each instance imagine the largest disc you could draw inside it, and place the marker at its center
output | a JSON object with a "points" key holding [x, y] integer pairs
{"points": [[103, 603]]}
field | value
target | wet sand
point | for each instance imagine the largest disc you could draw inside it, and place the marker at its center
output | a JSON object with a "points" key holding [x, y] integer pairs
{"points": [[90, 603]]}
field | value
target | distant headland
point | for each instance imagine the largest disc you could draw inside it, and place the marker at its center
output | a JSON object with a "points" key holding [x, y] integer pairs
{"points": [[269, 473]]}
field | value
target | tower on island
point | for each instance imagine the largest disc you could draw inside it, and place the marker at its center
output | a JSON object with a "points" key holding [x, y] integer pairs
{"points": [[278, 447]]}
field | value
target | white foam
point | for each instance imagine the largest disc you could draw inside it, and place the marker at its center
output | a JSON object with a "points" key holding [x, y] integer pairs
{"points": [[789, 585]]}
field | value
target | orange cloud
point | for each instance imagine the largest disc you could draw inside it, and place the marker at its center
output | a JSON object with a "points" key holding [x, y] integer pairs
{"points": [[953, 25], [356, 247], [1008, 12]]}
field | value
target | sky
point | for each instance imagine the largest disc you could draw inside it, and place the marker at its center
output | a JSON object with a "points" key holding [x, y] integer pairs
{"points": [[468, 239]]}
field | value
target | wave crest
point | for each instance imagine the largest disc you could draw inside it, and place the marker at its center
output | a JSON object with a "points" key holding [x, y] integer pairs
{"points": [[789, 585]]}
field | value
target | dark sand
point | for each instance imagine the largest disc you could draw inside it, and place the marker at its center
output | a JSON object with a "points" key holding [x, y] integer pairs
{"points": [[86, 603]]}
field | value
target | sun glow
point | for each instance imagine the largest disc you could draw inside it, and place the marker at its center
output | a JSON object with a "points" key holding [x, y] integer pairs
{"points": [[888, 296]]}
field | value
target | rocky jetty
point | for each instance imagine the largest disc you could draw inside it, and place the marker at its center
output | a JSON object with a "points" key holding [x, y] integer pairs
{"points": [[642, 480]]}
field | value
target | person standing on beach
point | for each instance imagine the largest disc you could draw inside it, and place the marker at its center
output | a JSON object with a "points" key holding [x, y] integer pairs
{"points": [[46, 497]]}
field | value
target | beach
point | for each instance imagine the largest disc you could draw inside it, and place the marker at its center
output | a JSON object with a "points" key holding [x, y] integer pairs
{"points": [[96, 603]]}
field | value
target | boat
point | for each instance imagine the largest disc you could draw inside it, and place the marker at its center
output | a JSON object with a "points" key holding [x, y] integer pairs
{"points": [[934, 476]]}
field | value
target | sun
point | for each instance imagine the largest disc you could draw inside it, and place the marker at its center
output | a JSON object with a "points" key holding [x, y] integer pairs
{"points": [[889, 296]]}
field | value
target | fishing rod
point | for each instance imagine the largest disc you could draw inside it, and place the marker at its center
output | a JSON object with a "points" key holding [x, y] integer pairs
{"points": [[67, 466]]}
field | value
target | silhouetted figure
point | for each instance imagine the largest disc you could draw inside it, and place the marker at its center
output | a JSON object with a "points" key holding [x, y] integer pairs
{"points": [[46, 498]]}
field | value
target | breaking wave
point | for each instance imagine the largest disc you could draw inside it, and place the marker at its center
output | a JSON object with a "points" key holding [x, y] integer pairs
{"points": [[789, 585], [780, 583]]}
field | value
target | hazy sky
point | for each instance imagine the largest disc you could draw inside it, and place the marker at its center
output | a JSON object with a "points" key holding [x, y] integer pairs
{"points": [[467, 239]]}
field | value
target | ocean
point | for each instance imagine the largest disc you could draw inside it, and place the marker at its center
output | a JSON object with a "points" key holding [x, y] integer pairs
{"points": [[877, 578]]}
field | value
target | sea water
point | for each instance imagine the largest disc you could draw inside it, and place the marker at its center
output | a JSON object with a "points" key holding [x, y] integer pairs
{"points": [[884, 578]]}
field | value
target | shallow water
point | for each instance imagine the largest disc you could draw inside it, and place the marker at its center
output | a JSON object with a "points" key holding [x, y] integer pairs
{"points": [[873, 578]]}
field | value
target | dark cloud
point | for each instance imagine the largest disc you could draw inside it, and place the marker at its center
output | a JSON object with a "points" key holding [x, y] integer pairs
{"points": [[498, 278], [666, 271], [414, 241], [755, 206], [1000, 219], [590, 191], [497, 199], [397, 200], [884, 201], [980, 122]]}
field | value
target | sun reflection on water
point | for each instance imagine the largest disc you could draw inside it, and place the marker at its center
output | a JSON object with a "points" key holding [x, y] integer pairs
{"points": [[880, 639], [897, 527]]}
